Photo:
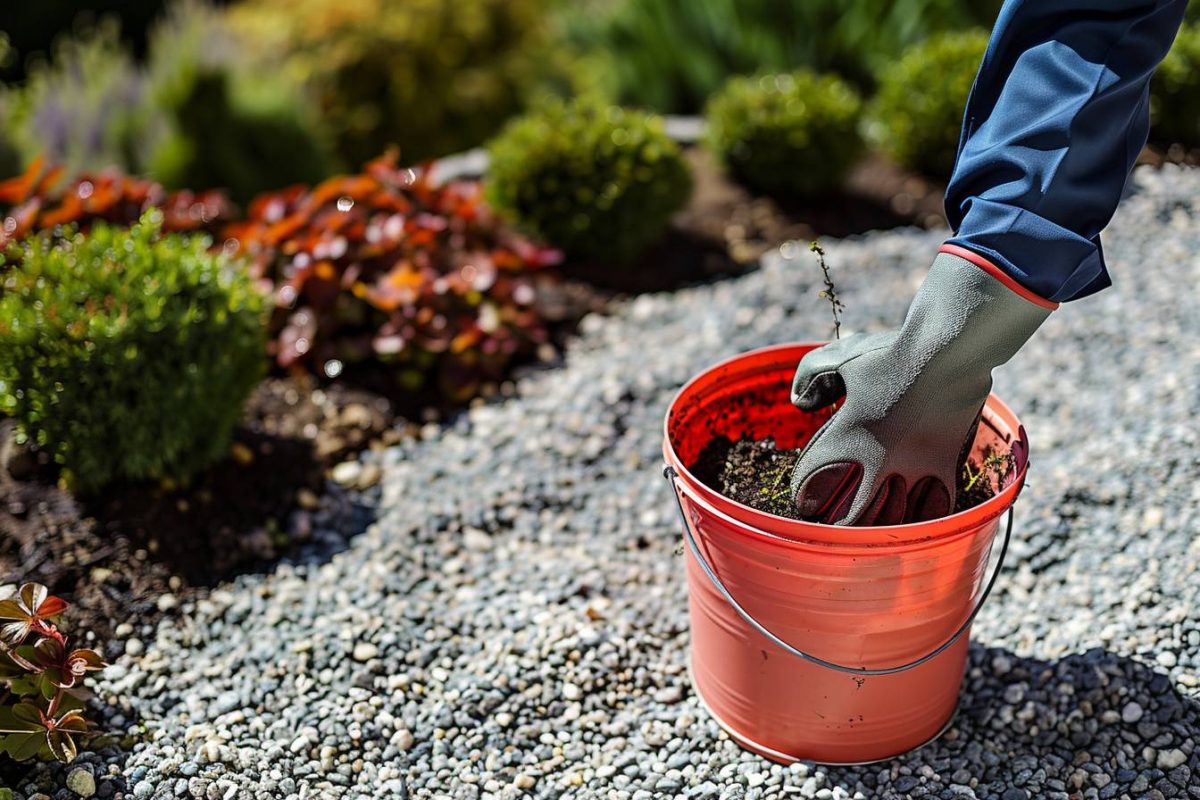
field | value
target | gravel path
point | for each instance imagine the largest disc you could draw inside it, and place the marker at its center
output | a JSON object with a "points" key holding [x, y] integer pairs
{"points": [[515, 621]]}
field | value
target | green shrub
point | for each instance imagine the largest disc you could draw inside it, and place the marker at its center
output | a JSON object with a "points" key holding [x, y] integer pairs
{"points": [[1175, 92], [432, 76], [127, 353], [917, 115], [672, 55], [789, 134], [600, 182]]}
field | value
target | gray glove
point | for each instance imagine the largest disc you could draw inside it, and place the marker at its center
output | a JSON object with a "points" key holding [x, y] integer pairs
{"points": [[891, 452]]}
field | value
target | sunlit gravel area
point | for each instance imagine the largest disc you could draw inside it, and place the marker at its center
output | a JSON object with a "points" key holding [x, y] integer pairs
{"points": [[514, 623]]}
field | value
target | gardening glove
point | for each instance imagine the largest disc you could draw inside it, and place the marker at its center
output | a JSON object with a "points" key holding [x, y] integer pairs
{"points": [[892, 451]]}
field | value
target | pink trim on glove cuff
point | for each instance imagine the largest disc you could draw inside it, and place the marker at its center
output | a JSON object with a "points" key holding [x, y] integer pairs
{"points": [[998, 274]]}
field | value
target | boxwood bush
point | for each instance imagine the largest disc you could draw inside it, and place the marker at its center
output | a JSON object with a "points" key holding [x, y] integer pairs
{"points": [[1175, 92], [127, 353], [916, 117], [598, 181], [789, 134]]}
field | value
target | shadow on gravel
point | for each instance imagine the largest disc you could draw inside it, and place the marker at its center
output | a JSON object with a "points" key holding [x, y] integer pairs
{"points": [[30, 779], [1094, 724]]}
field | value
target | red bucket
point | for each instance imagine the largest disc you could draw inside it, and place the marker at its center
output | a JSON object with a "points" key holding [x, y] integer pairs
{"points": [[814, 642]]}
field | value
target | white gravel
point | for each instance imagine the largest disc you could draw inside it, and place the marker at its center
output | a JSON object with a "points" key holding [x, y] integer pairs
{"points": [[514, 622]]}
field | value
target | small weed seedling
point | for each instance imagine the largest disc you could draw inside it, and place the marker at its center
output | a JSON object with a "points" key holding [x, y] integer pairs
{"points": [[830, 291]]}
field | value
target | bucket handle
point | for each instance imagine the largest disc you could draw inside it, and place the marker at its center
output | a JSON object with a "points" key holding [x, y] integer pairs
{"points": [[671, 475]]}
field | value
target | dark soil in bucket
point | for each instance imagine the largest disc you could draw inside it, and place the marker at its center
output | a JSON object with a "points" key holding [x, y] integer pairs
{"points": [[756, 473]]}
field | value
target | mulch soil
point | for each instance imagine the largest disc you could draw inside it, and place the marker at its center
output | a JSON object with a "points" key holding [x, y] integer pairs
{"points": [[114, 555], [724, 229]]}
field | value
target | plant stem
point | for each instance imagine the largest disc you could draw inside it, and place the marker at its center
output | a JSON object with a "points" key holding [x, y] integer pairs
{"points": [[830, 291]]}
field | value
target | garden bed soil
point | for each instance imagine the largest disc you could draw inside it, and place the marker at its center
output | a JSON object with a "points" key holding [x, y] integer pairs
{"points": [[724, 228], [756, 473], [139, 549], [1157, 154]]}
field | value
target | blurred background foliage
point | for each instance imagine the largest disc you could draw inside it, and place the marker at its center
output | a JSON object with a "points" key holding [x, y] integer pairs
{"points": [[33, 28], [917, 113], [434, 76], [254, 95], [195, 112], [671, 55]]}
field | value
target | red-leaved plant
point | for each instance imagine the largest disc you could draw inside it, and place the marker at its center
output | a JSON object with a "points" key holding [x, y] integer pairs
{"points": [[390, 265], [41, 677], [43, 199]]}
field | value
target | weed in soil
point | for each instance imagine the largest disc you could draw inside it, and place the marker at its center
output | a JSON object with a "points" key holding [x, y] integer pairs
{"points": [[830, 291], [979, 480], [756, 473]]}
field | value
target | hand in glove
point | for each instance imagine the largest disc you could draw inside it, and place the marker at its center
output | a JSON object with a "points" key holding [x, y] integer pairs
{"points": [[912, 397]]}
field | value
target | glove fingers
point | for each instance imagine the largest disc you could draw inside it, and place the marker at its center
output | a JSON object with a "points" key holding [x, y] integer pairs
{"points": [[827, 494], [929, 499], [888, 505], [818, 391], [817, 382]]}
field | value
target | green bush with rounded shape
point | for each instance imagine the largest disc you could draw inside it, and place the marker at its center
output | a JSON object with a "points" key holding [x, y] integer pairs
{"points": [[126, 353], [600, 182], [916, 117], [1175, 92], [788, 134]]}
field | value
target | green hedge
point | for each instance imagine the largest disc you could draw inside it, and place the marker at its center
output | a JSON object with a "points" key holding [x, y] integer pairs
{"points": [[672, 55], [789, 134], [600, 182], [127, 353], [230, 122], [916, 117]]}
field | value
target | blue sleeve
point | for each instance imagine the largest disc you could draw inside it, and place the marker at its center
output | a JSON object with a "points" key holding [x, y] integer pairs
{"points": [[1056, 118]]}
